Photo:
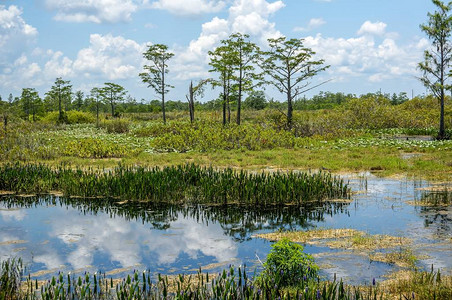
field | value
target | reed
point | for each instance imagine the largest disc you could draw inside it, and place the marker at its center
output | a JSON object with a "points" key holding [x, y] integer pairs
{"points": [[176, 184]]}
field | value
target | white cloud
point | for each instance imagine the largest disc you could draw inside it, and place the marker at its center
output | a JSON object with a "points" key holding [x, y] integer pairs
{"points": [[112, 57], [245, 16], [363, 56], [189, 7], [313, 23], [377, 28], [15, 34], [96, 11]]}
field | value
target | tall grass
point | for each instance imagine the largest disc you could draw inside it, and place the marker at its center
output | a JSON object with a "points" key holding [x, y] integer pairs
{"points": [[11, 271], [233, 283], [175, 184]]}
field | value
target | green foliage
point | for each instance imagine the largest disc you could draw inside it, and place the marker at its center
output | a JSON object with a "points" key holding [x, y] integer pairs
{"points": [[423, 285], [61, 93], [255, 100], [116, 125], [72, 116], [212, 136], [290, 65], [94, 148], [11, 271], [288, 265], [186, 183]]}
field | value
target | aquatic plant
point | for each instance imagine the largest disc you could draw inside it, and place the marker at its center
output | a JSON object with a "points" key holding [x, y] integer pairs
{"points": [[175, 184], [11, 271], [288, 265]]}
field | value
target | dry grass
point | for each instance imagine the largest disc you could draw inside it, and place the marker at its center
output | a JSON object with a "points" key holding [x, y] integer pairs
{"points": [[350, 239]]}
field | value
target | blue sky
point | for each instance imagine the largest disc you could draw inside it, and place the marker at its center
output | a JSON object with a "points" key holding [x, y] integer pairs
{"points": [[370, 44]]}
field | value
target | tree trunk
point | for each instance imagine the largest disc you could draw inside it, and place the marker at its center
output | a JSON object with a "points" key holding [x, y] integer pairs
{"points": [[442, 133], [289, 106], [60, 111], [112, 105], [224, 108], [229, 110], [191, 104], [442, 130], [97, 112], [163, 93], [239, 100]]}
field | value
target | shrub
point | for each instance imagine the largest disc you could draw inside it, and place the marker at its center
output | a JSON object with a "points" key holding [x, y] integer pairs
{"points": [[116, 125], [288, 265], [71, 117]]}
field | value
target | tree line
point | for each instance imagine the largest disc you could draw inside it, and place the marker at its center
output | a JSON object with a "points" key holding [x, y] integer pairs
{"points": [[241, 67]]}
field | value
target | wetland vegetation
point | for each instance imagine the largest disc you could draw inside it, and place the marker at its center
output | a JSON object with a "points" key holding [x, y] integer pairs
{"points": [[110, 186]]}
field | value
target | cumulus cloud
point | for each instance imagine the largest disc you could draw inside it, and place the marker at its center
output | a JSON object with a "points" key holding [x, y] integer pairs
{"points": [[96, 11], [15, 34], [245, 16], [313, 23], [364, 56], [189, 7], [108, 56], [377, 28]]}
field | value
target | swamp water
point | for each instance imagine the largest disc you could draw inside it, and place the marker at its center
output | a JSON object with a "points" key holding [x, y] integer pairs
{"points": [[77, 235]]}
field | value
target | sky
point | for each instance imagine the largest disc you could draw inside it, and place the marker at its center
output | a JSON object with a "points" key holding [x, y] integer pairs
{"points": [[370, 45]]}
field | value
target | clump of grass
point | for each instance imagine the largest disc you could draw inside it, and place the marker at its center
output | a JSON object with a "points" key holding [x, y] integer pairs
{"points": [[403, 258], [420, 285], [310, 236], [116, 125], [11, 271], [340, 238], [183, 183]]}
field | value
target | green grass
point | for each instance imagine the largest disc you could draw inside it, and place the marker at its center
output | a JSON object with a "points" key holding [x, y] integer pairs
{"points": [[177, 184]]}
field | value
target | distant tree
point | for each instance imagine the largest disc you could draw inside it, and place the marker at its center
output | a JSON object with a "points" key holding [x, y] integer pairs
{"points": [[437, 60], [155, 72], [244, 55], [10, 98], [256, 100], [397, 99], [60, 91], [79, 100], [193, 92], [222, 62], [30, 103], [96, 94], [112, 94], [289, 65]]}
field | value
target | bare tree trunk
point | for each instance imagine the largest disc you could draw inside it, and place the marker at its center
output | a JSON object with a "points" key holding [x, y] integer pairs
{"points": [[163, 93], [97, 112], [239, 100], [289, 106], [191, 104]]}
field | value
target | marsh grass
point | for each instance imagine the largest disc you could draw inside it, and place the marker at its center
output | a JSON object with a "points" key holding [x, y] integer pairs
{"points": [[423, 285], [350, 239], [403, 258], [11, 272], [232, 283], [176, 184]]}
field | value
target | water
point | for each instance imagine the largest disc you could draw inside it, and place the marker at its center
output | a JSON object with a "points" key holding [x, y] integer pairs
{"points": [[78, 235]]}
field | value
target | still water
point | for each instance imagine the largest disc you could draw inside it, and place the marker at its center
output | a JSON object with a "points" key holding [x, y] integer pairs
{"points": [[77, 235]]}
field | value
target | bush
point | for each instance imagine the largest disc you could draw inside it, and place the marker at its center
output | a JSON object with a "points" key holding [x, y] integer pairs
{"points": [[71, 117], [116, 125], [288, 265]]}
